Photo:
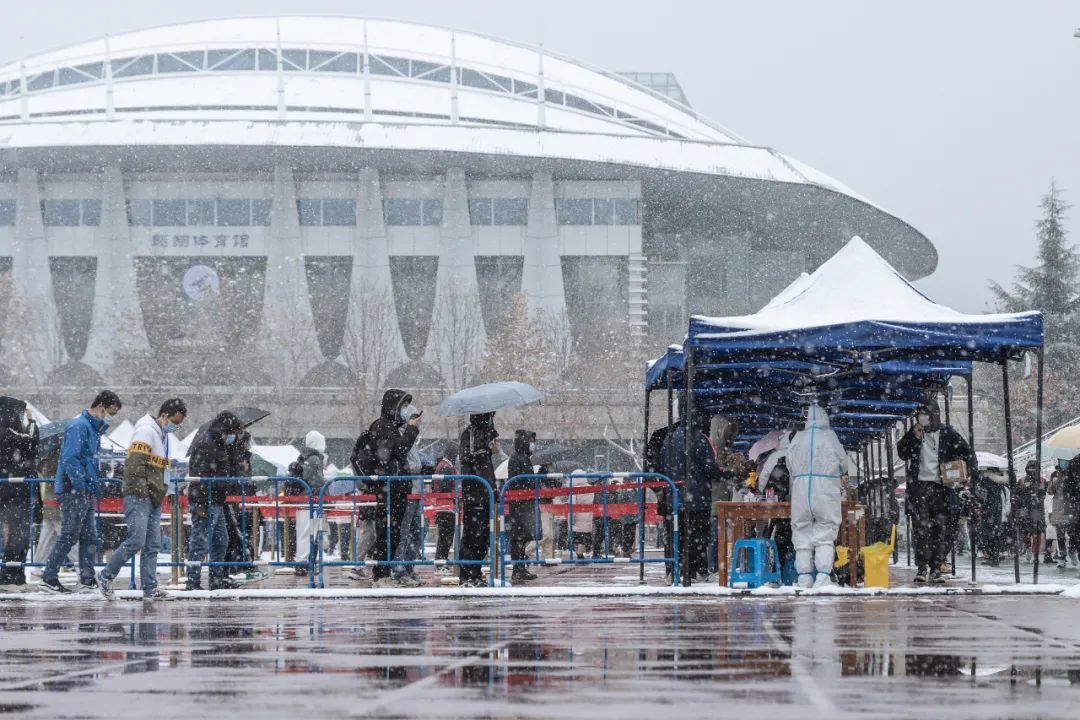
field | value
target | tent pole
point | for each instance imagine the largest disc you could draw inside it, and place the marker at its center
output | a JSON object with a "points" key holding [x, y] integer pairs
{"points": [[687, 532], [972, 534], [947, 403], [1009, 459], [891, 486], [1038, 452], [644, 468], [670, 399]]}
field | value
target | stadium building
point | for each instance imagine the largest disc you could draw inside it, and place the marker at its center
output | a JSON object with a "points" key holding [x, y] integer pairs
{"points": [[280, 211]]}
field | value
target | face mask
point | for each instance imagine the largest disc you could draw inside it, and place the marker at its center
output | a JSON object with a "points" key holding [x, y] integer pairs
{"points": [[924, 419], [169, 427], [106, 420], [230, 439], [532, 448], [409, 411]]}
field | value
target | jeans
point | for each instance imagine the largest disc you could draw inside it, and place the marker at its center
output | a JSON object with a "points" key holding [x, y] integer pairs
{"points": [[78, 524], [208, 531], [409, 545], [143, 520]]}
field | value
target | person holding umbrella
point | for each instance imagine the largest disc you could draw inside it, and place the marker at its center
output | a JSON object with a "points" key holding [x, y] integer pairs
{"points": [[478, 446], [213, 455]]}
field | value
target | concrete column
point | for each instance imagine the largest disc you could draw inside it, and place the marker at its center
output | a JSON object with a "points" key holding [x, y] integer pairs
{"points": [[286, 309], [32, 302], [542, 279], [117, 314], [371, 259]]}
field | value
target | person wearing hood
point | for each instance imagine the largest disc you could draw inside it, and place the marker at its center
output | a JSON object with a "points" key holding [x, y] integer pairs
{"points": [[390, 438], [1030, 518], [312, 462], [144, 490], [522, 514], [817, 464], [76, 488], [478, 445], [697, 481], [214, 455], [408, 547], [925, 448], [18, 457]]}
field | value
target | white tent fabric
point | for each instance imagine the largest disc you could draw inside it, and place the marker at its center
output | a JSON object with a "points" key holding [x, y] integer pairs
{"points": [[280, 456], [852, 286], [122, 433]]}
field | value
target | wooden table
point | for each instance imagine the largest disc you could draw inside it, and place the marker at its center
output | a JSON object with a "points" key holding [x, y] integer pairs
{"points": [[852, 529]]}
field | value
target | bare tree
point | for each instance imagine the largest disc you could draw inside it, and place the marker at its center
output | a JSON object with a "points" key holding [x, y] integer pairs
{"points": [[370, 347], [457, 337]]}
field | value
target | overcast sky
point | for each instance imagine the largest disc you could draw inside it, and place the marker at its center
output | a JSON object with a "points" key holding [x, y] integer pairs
{"points": [[953, 115]]}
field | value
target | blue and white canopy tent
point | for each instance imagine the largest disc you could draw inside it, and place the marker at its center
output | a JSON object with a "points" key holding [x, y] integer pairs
{"points": [[854, 335]]}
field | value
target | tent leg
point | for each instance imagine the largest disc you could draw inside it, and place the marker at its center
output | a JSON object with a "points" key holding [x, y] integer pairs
{"points": [[891, 486], [1038, 449], [1012, 469], [687, 531], [644, 468], [972, 534]]}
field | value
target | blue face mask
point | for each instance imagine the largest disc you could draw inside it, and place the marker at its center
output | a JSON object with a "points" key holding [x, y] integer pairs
{"points": [[169, 427], [230, 439], [106, 420]]}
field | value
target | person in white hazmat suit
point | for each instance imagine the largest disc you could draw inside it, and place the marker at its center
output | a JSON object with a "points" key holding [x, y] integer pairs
{"points": [[817, 462]]}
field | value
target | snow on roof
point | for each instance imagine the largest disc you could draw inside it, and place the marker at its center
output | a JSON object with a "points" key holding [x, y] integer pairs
{"points": [[854, 285], [280, 456]]}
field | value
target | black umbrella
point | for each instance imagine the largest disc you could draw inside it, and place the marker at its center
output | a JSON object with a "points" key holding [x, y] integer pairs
{"points": [[50, 436], [248, 416]]}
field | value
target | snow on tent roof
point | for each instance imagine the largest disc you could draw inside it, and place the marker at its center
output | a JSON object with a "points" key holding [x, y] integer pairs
{"points": [[280, 456], [857, 302]]}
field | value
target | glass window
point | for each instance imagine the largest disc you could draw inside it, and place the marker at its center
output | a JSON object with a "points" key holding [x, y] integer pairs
{"points": [[260, 212], [91, 212], [40, 82], [309, 211], [432, 212], [341, 62], [580, 104], [338, 212], [140, 212], [7, 212], [402, 211], [441, 74], [233, 213], [230, 59], [472, 78], [573, 211], [74, 76], [187, 61], [294, 59], [480, 211], [60, 213], [170, 213], [602, 212], [200, 212], [511, 211], [524, 88], [553, 96], [422, 67], [386, 65], [626, 212], [129, 67], [267, 59]]}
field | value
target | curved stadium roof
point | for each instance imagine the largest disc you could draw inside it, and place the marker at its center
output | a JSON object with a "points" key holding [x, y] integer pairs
{"points": [[377, 84]]}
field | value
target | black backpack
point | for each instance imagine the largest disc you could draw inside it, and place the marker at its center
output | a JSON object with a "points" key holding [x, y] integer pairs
{"points": [[296, 470], [365, 462]]}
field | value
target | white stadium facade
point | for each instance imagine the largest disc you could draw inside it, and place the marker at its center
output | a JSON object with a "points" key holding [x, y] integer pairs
{"points": [[179, 204]]}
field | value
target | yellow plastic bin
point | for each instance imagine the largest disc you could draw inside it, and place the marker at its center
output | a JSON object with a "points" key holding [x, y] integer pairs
{"points": [[876, 562]]}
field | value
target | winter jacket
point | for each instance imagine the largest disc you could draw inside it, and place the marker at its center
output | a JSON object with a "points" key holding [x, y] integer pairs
{"points": [[654, 463], [697, 489], [951, 447], [18, 442], [522, 513], [146, 462], [211, 457], [476, 455], [392, 438], [1070, 486], [313, 464], [77, 470], [1060, 512]]}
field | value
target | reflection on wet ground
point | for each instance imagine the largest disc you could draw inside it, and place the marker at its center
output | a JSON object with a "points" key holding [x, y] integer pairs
{"points": [[570, 657]]}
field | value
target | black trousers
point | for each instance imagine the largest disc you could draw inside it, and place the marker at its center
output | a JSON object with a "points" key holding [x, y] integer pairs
{"points": [[929, 523], [399, 500], [15, 529], [444, 522], [474, 533], [697, 544], [628, 541]]}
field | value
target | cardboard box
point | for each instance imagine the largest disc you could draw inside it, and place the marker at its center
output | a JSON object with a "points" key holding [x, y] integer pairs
{"points": [[954, 473]]}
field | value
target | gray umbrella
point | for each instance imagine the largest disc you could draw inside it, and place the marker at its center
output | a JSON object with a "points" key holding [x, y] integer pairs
{"points": [[488, 398]]}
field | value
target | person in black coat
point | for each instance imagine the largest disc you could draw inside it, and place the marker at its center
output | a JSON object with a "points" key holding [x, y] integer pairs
{"points": [[653, 463], [391, 437], [214, 455], [696, 498], [925, 448], [18, 457], [478, 445], [522, 514]]}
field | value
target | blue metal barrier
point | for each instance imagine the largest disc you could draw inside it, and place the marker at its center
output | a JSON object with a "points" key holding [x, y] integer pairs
{"points": [[248, 558], [359, 562], [673, 561]]}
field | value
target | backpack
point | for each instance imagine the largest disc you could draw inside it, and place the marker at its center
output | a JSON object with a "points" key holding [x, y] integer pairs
{"points": [[365, 462], [296, 470]]}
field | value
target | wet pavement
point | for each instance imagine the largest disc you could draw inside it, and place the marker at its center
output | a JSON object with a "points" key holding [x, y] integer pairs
{"points": [[872, 657]]}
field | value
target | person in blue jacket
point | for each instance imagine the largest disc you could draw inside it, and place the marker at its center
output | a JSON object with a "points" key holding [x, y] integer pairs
{"points": [[75, 487]]}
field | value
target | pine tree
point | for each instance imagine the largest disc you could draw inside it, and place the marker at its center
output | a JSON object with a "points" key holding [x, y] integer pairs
{"points": [[1050, 286]]}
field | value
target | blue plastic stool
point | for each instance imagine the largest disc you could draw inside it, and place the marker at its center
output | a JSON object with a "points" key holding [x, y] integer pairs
{"points": [[755, 561], [788, 576]]}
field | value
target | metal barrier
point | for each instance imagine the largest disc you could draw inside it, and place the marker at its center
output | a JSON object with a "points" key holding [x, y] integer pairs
{"points": [[249, 559], [360, 562], [538, 493]]}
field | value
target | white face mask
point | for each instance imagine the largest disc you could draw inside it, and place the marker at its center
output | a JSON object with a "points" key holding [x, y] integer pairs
{"points": [[924, 420]]}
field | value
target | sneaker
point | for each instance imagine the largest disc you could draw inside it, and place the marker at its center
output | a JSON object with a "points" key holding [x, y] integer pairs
{"points": [[409, 580], [300, 571], [936, 578], [1048, 559], [444, 571], [105, 587], [823, 580], [920, 576], [386, 583], [945, 569], [90, 586], [55, 586], [1062, 564], [224, 584], [157, 595], [189, 586], [360, 574], [473, 583]]}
